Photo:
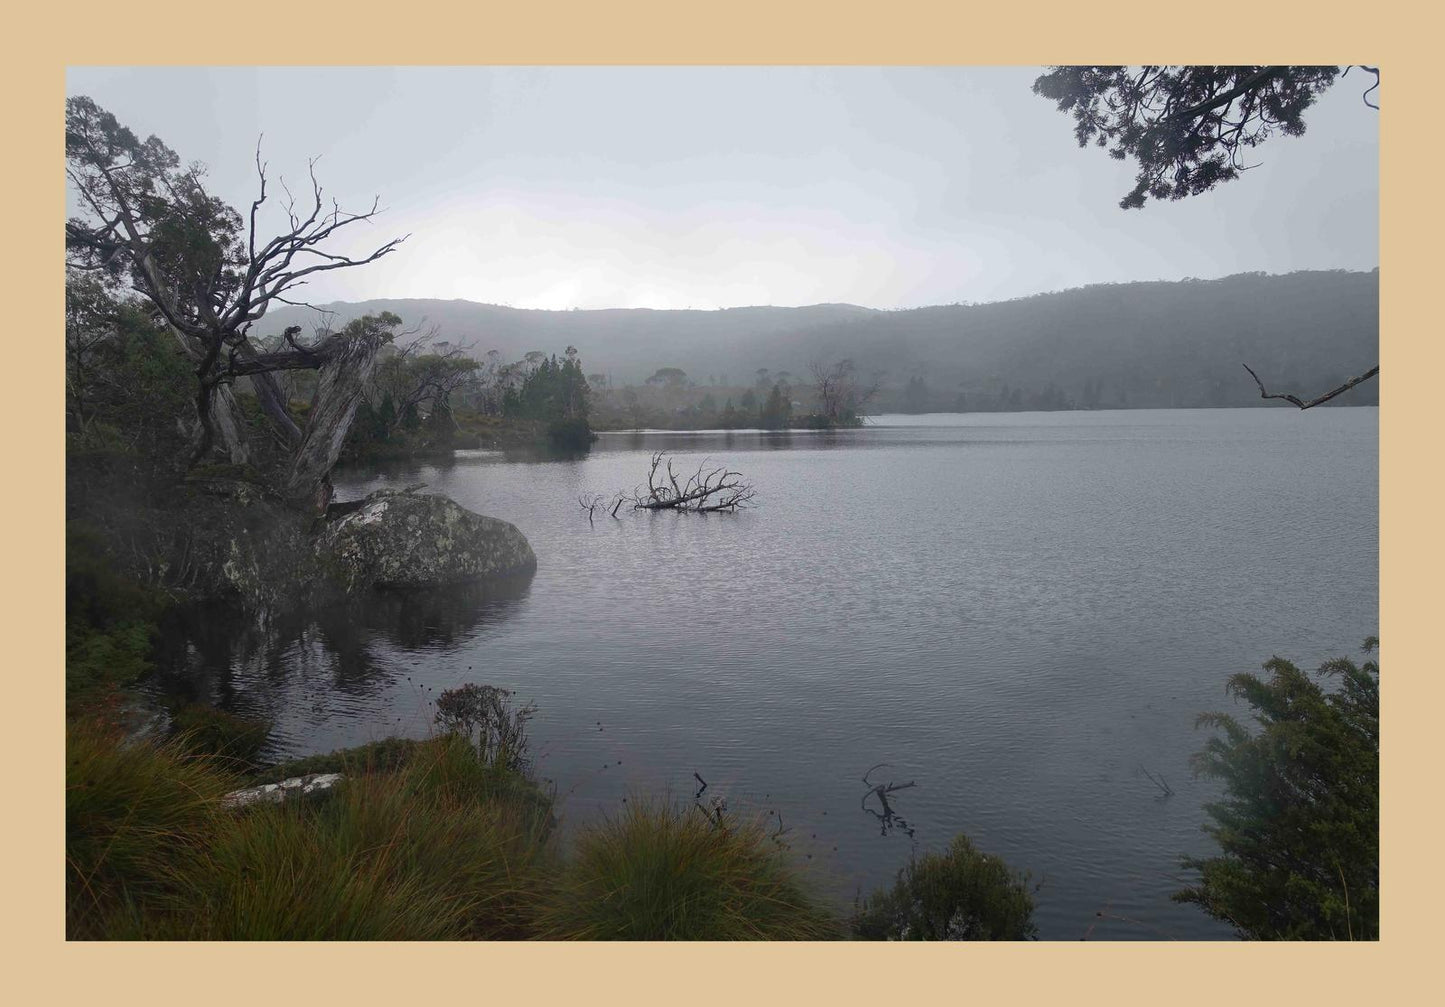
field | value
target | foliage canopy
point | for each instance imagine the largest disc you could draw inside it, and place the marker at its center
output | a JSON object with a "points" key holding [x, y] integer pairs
{"points": [[1187, 127]]}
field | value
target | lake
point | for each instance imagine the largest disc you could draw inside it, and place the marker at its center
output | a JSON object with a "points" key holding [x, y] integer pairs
{"points": [[1019, 613]]}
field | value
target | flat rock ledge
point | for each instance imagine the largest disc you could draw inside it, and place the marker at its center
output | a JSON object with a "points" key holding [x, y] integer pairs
{"points": [[398, 539], [290, 789]]}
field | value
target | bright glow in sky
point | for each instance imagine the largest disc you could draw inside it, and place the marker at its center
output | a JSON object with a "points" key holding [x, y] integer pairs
{"points": [[675, 187]]}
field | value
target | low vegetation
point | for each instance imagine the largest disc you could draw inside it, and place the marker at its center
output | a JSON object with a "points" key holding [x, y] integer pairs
{"points": [[662, 872], [1299, 824], [425, 840], [961, 894]]}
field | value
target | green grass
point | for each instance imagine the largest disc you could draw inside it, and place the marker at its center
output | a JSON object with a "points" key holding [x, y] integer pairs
{"points": [[382, 756], [205, 730], [436, 851], [441, 848], [129, 810], [422, 841], [660, 872]]}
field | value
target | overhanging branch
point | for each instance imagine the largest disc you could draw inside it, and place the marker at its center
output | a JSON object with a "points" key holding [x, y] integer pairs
{"points": [[1296, 400]]}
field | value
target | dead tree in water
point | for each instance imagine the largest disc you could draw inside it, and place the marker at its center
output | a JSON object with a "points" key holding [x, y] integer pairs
{"points": [[704, 491]]}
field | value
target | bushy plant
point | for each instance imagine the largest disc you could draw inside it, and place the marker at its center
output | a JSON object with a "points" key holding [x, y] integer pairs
{"points": [[206, 730], [1299, 824], [570, 434], [961, 894], [484, 715], [110, 621], [660, 872]]}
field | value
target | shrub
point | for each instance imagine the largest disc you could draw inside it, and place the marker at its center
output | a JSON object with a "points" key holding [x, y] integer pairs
{"points": [[570, 434], [483, 714], [1299, 825], [961, 894], [658, 872], [110, 621], [206, 730]]}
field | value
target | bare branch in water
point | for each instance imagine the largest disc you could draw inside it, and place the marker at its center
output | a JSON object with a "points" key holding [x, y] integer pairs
{"points": [[705, 491]]}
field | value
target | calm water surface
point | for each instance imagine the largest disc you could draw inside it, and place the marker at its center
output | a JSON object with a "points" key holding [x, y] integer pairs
{"points": [[1017, 612]]}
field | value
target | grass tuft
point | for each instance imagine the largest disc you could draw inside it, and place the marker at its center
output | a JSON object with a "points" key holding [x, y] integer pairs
{"points": [[659, 872]]}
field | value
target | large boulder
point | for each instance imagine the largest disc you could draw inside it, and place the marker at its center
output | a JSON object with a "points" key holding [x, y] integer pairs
{"points": [[399, 539]]}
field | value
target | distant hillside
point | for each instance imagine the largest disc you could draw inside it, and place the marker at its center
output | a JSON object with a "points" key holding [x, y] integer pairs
{"points": [[1136, 344]]}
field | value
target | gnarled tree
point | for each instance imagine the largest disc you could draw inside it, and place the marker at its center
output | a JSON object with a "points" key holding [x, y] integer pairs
{"points": [[148, 221]]}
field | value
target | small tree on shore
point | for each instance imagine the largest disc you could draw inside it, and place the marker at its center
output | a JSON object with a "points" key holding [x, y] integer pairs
{"points": [[961, 894], [1299, 824]]}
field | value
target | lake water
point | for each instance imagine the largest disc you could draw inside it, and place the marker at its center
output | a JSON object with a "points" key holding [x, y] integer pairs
{"points": [[1017, 612]]}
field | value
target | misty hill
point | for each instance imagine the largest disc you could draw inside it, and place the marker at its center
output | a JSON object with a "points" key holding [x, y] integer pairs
{"points": [[1136, 344]]}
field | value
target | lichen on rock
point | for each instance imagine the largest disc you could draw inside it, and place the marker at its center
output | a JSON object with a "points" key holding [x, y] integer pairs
{"points": [[230, 542], [310, 785], [398, 539]]}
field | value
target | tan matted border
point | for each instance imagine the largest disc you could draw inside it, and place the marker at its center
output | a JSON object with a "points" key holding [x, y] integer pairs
{"points": [[46, 38]]}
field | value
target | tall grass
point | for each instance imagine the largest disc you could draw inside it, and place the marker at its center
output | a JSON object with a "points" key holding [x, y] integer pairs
{"points": [[659, 872], [129, 811], [421, 841], [441, 848]]}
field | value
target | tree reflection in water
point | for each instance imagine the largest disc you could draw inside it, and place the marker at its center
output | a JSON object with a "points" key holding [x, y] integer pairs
{"points": [[213, 656]]}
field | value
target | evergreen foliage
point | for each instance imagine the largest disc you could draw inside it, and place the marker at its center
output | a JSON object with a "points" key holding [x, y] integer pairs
{"points": [[777, 412], [1187, 127], [554, 390], [961, 894], [1298, 827]]}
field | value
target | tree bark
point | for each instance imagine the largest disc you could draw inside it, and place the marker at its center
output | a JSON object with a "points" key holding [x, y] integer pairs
{"points": [[229, 427], [273, 403], [340, 383]]}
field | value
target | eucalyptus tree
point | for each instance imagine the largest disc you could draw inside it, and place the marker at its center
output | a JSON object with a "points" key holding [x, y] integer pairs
{"points": [[148, 221]]}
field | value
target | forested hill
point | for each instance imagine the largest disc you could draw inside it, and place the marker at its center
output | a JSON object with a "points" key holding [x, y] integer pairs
{"points": [[1134, 344]]}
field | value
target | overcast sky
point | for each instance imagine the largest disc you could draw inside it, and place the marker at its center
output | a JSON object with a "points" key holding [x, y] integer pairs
{"points": [[705, 187]]}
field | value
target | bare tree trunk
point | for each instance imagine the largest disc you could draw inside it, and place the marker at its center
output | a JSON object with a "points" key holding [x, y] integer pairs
{"points": [[215, 427], [338, 393], [229, 427], [273, 401]]}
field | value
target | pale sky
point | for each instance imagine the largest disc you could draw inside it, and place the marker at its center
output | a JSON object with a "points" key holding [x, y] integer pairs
{"points": [[706, 187]]}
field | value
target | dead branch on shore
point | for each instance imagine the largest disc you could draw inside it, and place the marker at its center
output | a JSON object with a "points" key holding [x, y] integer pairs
{"points": [[705, 491]]}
